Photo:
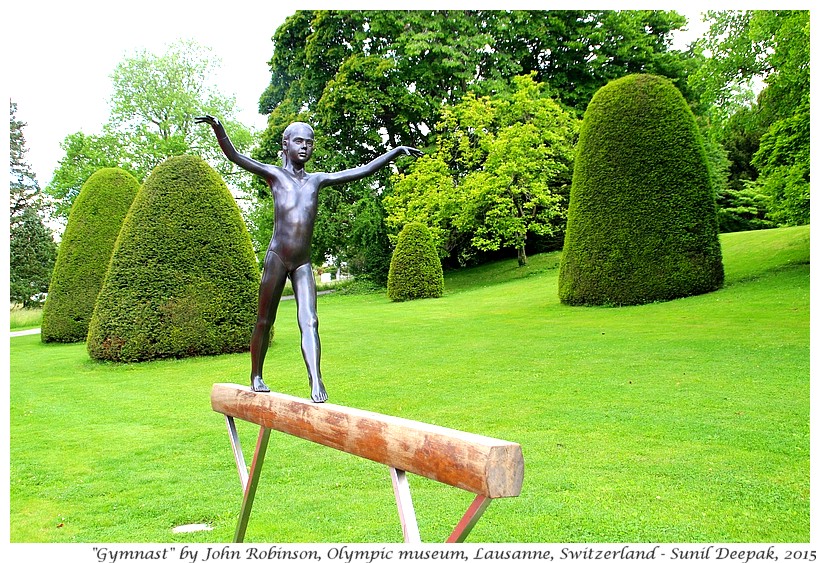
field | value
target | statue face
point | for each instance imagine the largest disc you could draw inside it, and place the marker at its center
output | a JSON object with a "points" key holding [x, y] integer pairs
{"points": [[299, 146]]}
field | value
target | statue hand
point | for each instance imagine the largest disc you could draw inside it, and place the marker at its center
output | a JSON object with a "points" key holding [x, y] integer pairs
{"points": [[209, 119], [411, 151]]}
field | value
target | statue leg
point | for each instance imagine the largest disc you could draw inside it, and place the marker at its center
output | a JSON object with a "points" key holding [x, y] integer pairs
{"points": [[304, 289], [270, 291]]}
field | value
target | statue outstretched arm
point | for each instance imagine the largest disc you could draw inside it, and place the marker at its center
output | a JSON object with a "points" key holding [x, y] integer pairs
{"points": [[231, 153], [371, 167]]}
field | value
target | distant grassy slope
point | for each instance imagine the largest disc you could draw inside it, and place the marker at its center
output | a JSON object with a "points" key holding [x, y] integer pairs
{"points": [[752, 253], [502, 271], [745, 255]]}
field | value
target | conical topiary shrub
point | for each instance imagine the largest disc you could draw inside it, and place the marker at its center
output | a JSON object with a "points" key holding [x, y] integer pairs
{"points": [[415, 269], [85, 251], [183, 279], [642, 222]]}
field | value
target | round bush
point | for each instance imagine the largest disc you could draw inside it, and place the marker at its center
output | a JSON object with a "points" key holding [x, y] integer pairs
{"points": [[85, 251], [183, 279], [642, 221], [415, 270]]}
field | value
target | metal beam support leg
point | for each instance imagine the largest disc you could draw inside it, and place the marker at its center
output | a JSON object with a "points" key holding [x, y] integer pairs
{"points": [[401, 489], [236, 446], [407, 514], [252, 483], [468, 521]]}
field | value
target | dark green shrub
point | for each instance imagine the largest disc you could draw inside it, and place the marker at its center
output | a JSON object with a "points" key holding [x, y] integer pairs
{"points": [[415, 270], [642, 221], [85, 251], [183, 279]]}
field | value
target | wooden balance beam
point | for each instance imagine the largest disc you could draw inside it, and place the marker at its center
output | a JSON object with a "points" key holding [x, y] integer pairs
{"points": [[488, 467]]}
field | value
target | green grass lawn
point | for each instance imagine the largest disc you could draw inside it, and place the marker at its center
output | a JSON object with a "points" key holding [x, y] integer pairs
{"points": [[685, 421]]}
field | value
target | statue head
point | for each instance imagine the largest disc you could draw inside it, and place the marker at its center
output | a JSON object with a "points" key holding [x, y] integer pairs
{"points": [[297, 143]]}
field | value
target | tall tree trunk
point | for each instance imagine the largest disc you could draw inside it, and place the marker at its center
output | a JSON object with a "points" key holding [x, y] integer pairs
{"points": [[522, 255]]}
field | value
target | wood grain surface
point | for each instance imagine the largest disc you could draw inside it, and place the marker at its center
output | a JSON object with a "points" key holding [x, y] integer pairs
{"points": [[485, 466]]}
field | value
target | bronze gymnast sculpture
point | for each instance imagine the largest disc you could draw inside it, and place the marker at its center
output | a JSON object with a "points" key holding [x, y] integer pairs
{"points": [[295, 195]]}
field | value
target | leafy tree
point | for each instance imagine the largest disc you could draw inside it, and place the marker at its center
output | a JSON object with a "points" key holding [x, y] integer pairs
{"points": [[743, 209], [501, 171], [772, 45], [520, 186], [183, 278], [740, 136], [32, 249], [367, 71], [742, 206], [369, 80], [368, 251], [380, 75], [733, 59], [427, 193], [85, 252], [155, 99], [784, 156], [576, 52], [784, 160], [415, 270], [32, 252], [84, 155], [23, 187], [642, 223], [746, 45]]}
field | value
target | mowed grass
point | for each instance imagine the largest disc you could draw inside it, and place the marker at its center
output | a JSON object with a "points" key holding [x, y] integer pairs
{"points": [[685, 421]]}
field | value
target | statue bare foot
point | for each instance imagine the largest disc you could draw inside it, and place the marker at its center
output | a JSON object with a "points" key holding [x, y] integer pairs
{"points": [[258, 385], [317, 391]]}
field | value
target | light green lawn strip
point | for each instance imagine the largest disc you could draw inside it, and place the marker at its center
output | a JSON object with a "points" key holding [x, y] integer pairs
{"points": [[23, 319]]}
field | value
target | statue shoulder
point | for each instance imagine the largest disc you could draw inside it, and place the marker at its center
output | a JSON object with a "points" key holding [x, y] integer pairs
{"points": [[277, 171]]}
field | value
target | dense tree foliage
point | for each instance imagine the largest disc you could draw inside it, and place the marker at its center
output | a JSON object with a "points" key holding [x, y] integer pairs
{"points": [[741, 204], [500, 171], [767, 138], [32, 249], [85, 251], [392, 69], [183, 278], [154, 101], [415, 269], [370, 80], [84, 155], [743, 46], [784, 160], [23, 187], [642, 222], [32, 252]]}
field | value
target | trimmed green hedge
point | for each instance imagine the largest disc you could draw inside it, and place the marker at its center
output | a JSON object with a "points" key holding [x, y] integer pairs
{"points": [[183, 279], [642, 221], [415, 269], [85, 251]]}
